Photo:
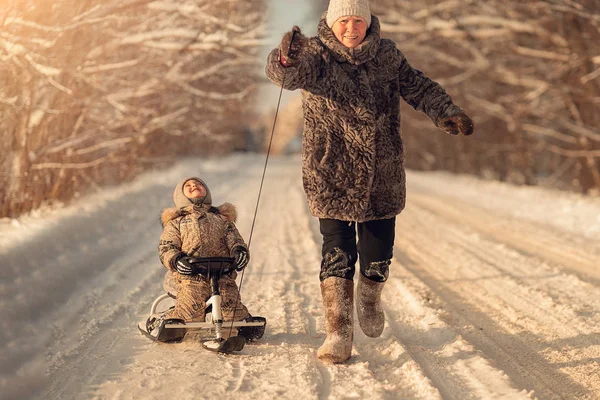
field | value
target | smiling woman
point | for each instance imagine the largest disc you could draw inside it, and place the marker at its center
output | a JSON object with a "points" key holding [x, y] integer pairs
{"points": [[353, 155]]}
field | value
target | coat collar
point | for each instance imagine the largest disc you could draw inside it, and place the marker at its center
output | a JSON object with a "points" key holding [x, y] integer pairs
{"points": [[198, 209], [227, 210], [359, 55]]}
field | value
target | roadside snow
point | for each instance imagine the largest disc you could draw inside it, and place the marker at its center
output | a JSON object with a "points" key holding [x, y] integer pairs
{"points": [[571, 212], [494, 293]]}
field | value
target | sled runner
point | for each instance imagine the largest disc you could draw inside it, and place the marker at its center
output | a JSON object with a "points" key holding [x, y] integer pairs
{"points": [[159, 329]]}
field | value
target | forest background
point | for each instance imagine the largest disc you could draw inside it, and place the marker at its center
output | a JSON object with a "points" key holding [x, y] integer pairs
{"points": [[94, 92]]}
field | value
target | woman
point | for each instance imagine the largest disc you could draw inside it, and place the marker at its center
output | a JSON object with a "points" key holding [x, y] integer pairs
{"points": [[352, 153]]}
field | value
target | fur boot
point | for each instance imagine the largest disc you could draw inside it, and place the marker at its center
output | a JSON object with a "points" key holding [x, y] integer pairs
{"points": [[368, 306], [338, 302]]}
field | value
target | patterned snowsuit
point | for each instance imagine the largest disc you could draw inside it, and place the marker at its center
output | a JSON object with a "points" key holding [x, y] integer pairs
{"points": [[200, 231]]}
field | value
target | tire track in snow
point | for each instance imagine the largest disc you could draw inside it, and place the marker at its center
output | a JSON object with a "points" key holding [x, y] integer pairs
{"points": [[392, 365], [533, 276], [538, 241], [302, 301], [236, 381], [483, 296], [453, 366], [108, 328], [276, 279], [278, 248], [53, 282], [506, 351], [431, 347], [557, 306], [53, 267], [300, 291]]}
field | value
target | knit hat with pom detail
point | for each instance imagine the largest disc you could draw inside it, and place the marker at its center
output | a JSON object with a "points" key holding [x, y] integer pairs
{"points": [[182, 201], [343, 8]]}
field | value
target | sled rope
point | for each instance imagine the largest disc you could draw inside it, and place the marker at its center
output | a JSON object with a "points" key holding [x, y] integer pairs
{"points": [[262, 180]]}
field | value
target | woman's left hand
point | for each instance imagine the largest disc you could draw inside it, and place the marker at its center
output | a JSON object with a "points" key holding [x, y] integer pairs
{"points": [[459, 123]]}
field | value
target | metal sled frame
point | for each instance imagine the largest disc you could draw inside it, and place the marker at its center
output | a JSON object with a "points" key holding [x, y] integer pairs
{"points": [[215, 315], [174, 330]]}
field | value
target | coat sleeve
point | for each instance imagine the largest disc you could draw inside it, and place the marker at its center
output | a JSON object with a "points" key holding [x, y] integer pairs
{"points": [[424, 94], [233, 237], [301, 75], [169, 246]]}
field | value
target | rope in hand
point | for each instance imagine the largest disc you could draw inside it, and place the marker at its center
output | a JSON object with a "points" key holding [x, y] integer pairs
{"points": [[261, 186]]}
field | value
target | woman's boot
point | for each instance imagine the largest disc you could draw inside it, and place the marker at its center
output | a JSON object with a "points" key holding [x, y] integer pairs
{"points": [[368, 306], [338, 302]]}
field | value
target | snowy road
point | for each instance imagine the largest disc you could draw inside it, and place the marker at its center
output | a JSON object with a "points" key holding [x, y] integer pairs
{"points": [[494, 293]]}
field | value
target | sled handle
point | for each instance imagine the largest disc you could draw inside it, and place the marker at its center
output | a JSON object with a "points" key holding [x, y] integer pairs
{"points": [[207, 265]]}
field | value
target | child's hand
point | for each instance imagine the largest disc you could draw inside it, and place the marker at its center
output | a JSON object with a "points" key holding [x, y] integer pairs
{"points": [[459, 123], [241, 258], [183, 266]]}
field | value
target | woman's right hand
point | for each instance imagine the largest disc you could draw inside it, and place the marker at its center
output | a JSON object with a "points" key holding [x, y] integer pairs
{"points": [[290, 47]]}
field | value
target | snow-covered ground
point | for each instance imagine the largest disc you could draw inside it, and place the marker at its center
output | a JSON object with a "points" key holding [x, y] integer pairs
{"points": [[494, 293]]}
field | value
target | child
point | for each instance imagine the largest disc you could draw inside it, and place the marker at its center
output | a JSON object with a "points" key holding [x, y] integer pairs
{"points": [[194, 228]]}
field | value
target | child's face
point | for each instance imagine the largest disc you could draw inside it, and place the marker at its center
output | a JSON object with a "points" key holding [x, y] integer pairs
{"points": [[193, 189]]}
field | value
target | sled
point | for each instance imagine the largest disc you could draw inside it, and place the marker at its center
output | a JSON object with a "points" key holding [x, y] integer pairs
{"points": [[159, 329]]}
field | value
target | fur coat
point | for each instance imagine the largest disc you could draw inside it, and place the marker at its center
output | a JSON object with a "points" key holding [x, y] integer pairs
{"points": [[352, 150]]}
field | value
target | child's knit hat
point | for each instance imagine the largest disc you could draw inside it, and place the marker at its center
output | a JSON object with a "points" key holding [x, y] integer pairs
{"points": [[182, 201]]}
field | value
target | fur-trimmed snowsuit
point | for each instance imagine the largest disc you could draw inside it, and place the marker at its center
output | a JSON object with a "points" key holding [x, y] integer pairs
{"points": [[200, 231], [352, 151]]}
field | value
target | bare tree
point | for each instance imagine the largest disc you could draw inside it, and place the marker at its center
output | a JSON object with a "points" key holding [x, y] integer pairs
{"points": [[529, 72], [94, 91]]}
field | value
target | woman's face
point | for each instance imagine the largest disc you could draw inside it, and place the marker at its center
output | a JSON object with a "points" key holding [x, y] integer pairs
{"points": [[350, 30], [193, 189]]}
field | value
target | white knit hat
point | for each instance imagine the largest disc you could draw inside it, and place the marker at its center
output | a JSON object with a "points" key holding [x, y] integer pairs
{"points": [[343, 8]]}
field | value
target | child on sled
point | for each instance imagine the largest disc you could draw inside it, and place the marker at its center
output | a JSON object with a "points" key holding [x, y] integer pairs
{"points": [[193, 229]]}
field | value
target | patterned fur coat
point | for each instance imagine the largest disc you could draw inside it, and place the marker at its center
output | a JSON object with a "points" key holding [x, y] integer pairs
{"points": [[352, 151]]}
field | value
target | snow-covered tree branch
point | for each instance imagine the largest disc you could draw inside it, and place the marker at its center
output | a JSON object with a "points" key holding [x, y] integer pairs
{"points": [[526, 71], [89, 89]]}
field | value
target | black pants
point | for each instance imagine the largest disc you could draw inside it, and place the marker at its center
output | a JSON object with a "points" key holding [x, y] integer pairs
{"points": [[340, 248]]}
